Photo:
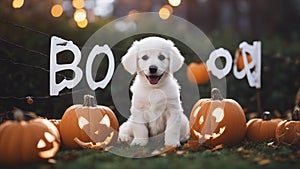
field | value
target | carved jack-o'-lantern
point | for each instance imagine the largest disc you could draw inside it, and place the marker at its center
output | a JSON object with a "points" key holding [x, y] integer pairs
{"points": [[88, 125], [288, 131], [27, 141], [56, 123], [217, 121]]}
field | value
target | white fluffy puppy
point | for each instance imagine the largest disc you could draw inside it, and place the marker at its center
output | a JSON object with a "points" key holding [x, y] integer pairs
{"points": [[156, 106]]}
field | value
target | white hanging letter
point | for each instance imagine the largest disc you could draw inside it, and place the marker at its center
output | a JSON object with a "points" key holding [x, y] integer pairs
{"points": [[111, 66], [211, 63], [58, 45], [254, 51]]}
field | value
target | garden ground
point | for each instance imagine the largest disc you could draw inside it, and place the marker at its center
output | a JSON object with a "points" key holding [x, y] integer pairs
{"points": [[243, 156]]}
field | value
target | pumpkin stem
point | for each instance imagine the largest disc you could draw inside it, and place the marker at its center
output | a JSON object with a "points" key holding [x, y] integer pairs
{"points": [[216, 94], [18, 115], [89, 100], [266, 115]]}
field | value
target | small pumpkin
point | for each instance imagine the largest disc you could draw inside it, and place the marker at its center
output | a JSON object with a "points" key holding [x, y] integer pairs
{"points": [[27, 141], [197, 73], [239, 59], [262, 129], [88, 125], [288, 131], [217, 121]]}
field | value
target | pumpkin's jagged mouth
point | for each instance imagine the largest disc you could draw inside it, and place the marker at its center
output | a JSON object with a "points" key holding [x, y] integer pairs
{"points": [[210, 136], [98, 145], [154, 79]]}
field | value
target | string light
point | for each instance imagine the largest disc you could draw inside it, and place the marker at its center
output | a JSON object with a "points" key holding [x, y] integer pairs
{"points": [[56, 10], [17, 3]]}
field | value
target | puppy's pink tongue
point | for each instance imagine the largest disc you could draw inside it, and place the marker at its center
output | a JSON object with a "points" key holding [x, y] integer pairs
{"points": [[153, 79]]}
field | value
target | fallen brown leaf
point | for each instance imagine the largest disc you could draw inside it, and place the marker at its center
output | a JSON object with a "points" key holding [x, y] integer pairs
{"points": [[262, 161], [181, 152], [194, 145], [217, 147]]}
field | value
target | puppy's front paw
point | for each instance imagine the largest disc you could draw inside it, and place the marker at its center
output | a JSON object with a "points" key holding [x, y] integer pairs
{"points": [[172, 143], [125, 138], [139, 141]]}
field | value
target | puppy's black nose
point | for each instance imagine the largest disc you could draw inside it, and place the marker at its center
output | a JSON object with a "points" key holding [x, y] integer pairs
{"points": [[153, 69]]}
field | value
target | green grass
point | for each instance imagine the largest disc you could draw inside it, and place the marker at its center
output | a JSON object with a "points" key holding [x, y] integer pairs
{"points": [[248, 155]]}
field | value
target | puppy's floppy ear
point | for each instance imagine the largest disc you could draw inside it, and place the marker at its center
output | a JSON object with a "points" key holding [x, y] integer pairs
{"points": [[129, 60], [176, 59]]}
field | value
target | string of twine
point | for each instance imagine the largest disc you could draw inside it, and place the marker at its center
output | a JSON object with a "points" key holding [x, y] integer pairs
{"points": [[29, 99], [45, 56]]}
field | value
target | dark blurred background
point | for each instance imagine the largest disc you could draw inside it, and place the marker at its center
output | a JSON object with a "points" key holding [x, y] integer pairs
{"points": [[27, 26]]}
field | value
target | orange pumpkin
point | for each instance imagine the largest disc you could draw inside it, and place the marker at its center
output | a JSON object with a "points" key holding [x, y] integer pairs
{"points": [[197, 73], [27, 141], [239, 59], [217, 121], [56, 123], [288, 131], [88, 125], [262, 129]]}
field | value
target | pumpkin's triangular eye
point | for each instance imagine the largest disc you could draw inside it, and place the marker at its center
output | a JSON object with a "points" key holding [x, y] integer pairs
{"points": [[49, 137], [218, 113], [201, 120], [41, 144], [105, 120], [82, 122]]}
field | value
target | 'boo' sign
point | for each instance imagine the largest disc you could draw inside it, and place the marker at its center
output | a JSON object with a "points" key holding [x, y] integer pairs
{"points": [[252, 69]]}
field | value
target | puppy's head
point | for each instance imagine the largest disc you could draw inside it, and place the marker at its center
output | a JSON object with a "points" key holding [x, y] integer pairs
{"points": [[153, 58]]}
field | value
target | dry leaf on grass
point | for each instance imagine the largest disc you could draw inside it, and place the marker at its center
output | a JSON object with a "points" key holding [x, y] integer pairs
{"points": [[262, 161], [217, 147], [194, 145], [169, 150], [244, 152]]}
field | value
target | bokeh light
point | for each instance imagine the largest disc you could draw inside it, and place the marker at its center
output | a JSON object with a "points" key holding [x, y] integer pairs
{"points": [[165, 12], [79, 15], [78, 4], [17, 3], [174, 2], [57, 10], [82, 24]]}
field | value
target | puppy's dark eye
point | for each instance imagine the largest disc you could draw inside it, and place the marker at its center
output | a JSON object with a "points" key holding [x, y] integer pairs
{"points": [[145, 57], [161, 57]]}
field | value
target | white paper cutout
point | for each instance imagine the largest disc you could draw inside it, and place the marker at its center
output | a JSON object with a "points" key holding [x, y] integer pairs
{"points": [[58, 45], [96, 51], [254, 77], [211, 63]]}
